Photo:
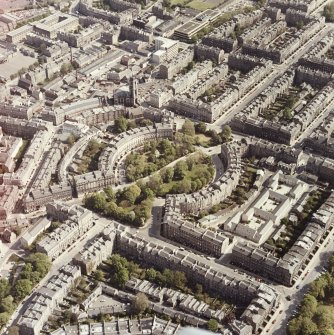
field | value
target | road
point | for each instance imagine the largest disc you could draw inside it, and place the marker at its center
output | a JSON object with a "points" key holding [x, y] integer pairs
{"points": [[62, 260], [311, 272], [277, 71]]}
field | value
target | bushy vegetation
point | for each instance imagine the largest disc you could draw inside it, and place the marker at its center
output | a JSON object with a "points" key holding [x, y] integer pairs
{"points": [[117, 270], [90, 157], [35, 267], [133, 205], [123, 124], [329, 12], [154, 156], [295, 228], [316, 312]]}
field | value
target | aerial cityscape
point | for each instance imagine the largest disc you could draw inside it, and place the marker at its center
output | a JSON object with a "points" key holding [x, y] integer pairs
{"points": [[167, 167]]}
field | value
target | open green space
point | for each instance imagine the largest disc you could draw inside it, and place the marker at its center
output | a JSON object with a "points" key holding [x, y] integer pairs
{"points": [[133, 205], [25, 275], [295, 228], [90, 157], [117, 270], [316, 311], [202, 5]]}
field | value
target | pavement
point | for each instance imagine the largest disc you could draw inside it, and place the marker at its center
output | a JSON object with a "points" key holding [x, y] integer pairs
{"points": [[62, 260], [310, 273], [277, 71]]}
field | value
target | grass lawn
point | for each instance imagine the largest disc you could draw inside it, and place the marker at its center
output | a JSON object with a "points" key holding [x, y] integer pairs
{"points": [[203, 140], [192, 175], [179, 2], [201, 5]]}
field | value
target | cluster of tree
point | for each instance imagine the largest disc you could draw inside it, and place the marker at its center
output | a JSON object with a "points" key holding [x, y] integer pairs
{"points": [[316, 315], [329, 12], [66, 68], [120, 270], [89, 161], [139, 304], [155, 155], [33, 19], [290, 102], [71, 139], [131, 205], [216, 138], [35, 268], [123, 124], [187, 176], [295, 228]]}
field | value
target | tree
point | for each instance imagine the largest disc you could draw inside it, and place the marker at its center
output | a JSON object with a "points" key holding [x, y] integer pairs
{"points": [[14, 330], [121, 277], [132, 193], [167, 174], [200, 127], [323, 319], [111, 210], [317, 288], [227, 133], [294, 326], [7, 305], [110, 193], [121, 124], [99, 275], [23, 287], [300, 24], [150, 275], [308, 306], [70, 140], [188, 128], [155, 183], [198, 289], [180, 170], [22, 71], [168, 277], [4, 318], [140, 303], [331, 265], [212, 325], [183, 186], [215, 138], [287, 113], [329, 12], [145, 123], [96, 202], [179, 279], [42, 48], [307, 326], [40, 262], [4, 288], [65, 68]]}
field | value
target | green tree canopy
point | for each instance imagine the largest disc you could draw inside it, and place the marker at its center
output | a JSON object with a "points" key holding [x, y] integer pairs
{"points": [[23, 287], [308, 306], [180, 170], [4, 288], [121, 124], [140, 303], [7, 304], [212, 325], [188, 128]]}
